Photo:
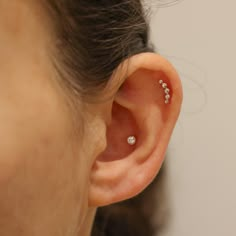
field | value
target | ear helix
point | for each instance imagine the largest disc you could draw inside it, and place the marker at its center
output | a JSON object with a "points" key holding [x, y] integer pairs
{"points": [[131, 140]]}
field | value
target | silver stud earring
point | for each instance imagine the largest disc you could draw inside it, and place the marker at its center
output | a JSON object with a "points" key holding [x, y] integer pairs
{"points": [[131, 140], [166, 90]]}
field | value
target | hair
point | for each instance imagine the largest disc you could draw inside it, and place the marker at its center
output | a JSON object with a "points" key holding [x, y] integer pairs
{"points": [[93, 37]]}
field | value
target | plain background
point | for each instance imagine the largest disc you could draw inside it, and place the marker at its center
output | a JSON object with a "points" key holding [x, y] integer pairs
{"points": [[199, 38]]}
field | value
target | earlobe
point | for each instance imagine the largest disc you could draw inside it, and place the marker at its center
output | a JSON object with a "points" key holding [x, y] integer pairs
{"points": [[144, 112]]}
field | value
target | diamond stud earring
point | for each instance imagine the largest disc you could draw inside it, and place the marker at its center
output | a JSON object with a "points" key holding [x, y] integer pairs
{"points": [[131, 140], [166, 90]]}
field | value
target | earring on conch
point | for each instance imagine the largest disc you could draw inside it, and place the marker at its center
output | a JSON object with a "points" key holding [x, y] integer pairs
{"points": [[131, 140], [166, 90]]}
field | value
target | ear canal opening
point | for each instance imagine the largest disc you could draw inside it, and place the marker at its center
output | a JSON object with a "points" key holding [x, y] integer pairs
{"points": [[122, 127]]}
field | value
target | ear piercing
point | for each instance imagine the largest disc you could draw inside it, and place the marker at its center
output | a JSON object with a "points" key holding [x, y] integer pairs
{"points": [[166, 90], [131, 140]]}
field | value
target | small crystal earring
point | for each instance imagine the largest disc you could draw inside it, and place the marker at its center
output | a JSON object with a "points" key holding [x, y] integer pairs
{"points": [[166, 90], [131, 140]]}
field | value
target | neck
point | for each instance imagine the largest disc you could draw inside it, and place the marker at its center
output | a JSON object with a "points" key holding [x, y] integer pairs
{"points": [[85, 229]]}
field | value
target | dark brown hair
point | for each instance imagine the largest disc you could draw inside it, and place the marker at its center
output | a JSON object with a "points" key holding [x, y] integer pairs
{"points": [[93, 37]]}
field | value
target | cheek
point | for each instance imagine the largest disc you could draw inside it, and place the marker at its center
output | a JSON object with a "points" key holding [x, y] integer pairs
{"points": [[28, 138], [42, 177], [42, 173]]}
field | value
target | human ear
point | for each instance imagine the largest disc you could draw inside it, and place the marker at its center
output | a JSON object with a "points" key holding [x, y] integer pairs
{"points": [[137, 109]]}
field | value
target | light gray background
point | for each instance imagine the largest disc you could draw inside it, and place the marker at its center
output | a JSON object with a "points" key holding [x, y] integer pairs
{"points": [[199, 37]]}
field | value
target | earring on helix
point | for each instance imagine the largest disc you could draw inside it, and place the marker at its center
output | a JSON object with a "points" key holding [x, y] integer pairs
{"points": [[166, 90]]}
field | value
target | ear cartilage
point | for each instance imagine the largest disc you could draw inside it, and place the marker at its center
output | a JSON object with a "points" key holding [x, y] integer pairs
{"points": [[166, 90], [131, 140]]}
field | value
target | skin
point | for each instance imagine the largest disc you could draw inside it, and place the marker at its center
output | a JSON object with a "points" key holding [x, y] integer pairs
{"points": [[43, 172], [55, 168]]}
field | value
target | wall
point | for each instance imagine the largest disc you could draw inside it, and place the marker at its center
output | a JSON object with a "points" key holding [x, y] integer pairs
{"points": [[199, 37]]}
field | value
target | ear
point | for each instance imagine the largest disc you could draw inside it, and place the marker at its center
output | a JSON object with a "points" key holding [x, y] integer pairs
{"points": [[137, 109]]}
